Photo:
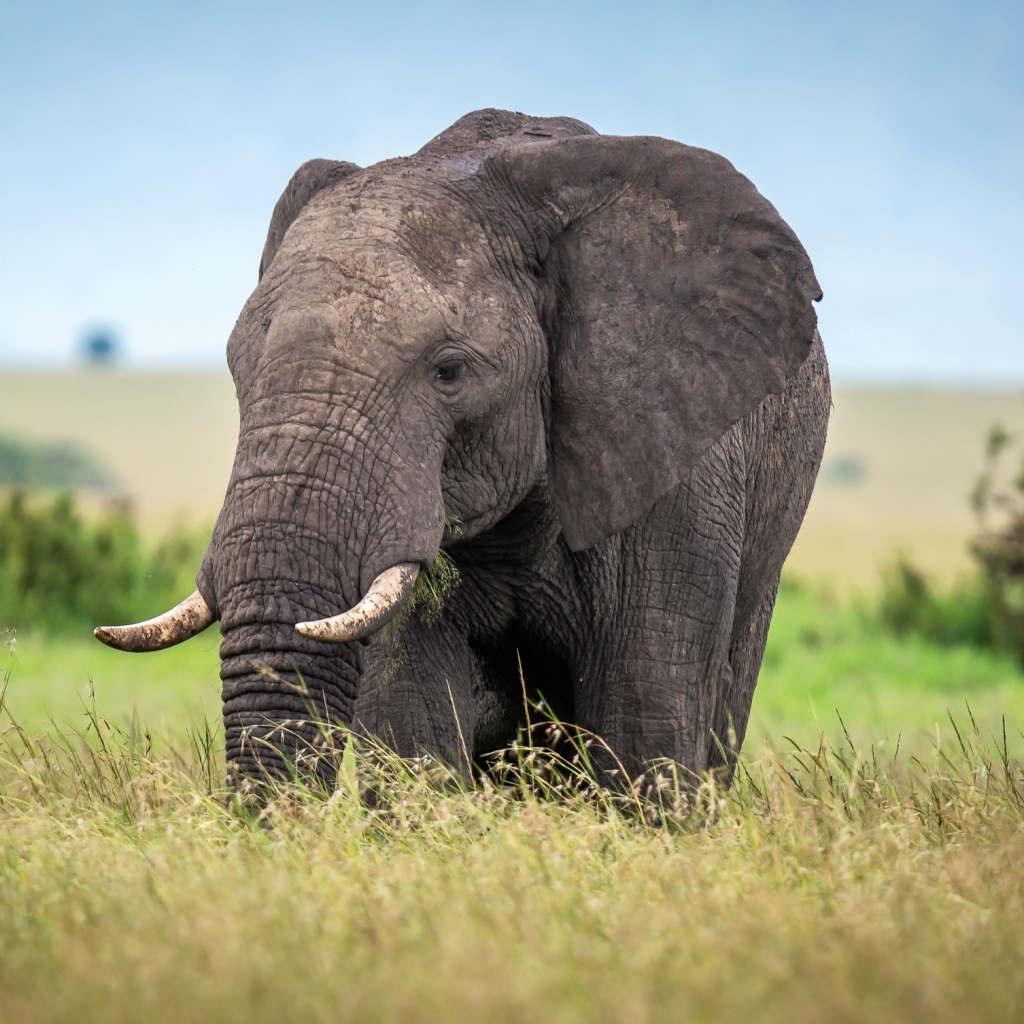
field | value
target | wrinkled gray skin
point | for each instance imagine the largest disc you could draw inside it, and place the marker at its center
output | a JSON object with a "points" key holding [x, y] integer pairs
{"points": [[599, 355]]}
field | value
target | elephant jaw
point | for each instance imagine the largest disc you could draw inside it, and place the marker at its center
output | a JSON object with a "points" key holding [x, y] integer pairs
{"points": [[379, 606]]}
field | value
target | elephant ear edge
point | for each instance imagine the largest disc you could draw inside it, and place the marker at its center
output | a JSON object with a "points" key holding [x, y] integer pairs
{"points": [[312, 177], [674, 299]]}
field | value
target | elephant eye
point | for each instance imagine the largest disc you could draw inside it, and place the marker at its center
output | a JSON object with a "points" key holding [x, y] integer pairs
{"points": [[448, 372]]}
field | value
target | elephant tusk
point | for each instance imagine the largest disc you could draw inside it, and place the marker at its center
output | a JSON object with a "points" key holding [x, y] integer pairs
{"points": [[378, 607], [183, 621]]}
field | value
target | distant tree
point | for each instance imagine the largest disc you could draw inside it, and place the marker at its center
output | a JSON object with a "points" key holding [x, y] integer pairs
{"points": [[100, 347]]}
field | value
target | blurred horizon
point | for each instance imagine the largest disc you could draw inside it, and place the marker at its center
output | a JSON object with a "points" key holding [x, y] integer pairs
{"points": [[899, 469], [142, 149]]}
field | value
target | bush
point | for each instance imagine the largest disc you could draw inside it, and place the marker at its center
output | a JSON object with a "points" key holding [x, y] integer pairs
{"points": [[999, 549], [60, 573], [987, 608], [911, 604]]}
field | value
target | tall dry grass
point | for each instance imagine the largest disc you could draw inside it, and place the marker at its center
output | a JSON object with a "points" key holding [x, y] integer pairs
{"points": [[824, 885]]}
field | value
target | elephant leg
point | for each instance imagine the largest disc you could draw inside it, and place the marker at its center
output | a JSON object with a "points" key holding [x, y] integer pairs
{"points": [[783, 441], [664, 594], [416, 694], [739, 677]]}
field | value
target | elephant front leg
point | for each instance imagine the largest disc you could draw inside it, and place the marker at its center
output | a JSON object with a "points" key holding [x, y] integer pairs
{"points": [[416, 694], [654, 695], [665, 596]]}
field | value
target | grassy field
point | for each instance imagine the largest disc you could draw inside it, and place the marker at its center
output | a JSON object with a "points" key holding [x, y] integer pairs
{"points": [[898, 468], [825, 885], [855, 885], [828, 663], [167, 438], [826, 658]]}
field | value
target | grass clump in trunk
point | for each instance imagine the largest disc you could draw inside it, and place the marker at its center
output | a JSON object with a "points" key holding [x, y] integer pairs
{"points": [[434, 583], [823, 885]]}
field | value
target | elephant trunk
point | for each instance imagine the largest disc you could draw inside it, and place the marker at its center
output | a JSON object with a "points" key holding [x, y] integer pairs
{"points": [[283, 701], [328, 538]]}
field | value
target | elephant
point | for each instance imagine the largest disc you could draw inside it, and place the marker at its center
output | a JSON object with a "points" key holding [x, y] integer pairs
{"points": [[580, 371]]}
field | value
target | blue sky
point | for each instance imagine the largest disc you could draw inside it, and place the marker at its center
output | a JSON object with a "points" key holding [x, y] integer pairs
{"points": [[143, 145]]}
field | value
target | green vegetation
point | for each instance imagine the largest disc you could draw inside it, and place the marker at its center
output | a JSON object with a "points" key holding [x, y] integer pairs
{"points": [[826, 657], [999, 549], [984, 609], [61, 573], [55, 465], [826, 884], [829, 658], [433, 585], [56, 679], [911, 604]]}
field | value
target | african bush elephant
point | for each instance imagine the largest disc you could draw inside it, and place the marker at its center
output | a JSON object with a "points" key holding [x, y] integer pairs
{"points": [[585, 366]]}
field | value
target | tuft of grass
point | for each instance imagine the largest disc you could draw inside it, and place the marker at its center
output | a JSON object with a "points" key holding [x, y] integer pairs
{"points": [[825, 884], [429, 593]]}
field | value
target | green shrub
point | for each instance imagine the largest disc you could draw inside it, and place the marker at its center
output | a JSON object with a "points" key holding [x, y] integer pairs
{"points": [[910, 603], [985, 609], [59, 572], [998, 547]]}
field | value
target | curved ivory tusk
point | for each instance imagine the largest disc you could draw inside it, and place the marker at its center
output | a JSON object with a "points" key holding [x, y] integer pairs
{"points": [[192, 616], [378, 607]]}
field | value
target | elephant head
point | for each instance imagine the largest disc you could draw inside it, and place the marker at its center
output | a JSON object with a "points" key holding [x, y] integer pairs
{"points": [[522, 304]]}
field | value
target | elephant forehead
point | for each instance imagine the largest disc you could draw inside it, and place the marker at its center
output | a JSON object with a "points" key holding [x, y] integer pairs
{"points": [[377, 231], [357, 325], [387, 274], [361, 298]]}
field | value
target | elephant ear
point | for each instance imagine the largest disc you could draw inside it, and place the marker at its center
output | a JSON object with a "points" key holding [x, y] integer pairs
{"points": [[674, 298], [312, 177]]}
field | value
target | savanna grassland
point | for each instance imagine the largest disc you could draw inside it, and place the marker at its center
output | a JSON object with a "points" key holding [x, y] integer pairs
{"points": [[830, 882], [866, 863]]}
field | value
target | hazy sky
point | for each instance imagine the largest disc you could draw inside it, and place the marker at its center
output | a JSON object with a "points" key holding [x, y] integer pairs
{"points": [[143, 145]]}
